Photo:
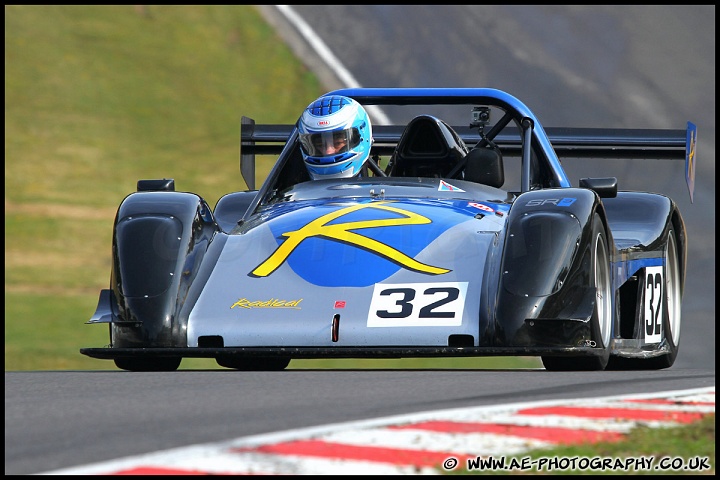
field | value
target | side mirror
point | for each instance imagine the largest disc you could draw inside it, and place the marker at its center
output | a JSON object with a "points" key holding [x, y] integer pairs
{"points": [[163, 185], [605, 187]]}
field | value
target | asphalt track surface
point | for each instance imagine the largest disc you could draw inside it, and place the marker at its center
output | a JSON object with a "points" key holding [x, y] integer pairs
{"points": [[597, 66]]}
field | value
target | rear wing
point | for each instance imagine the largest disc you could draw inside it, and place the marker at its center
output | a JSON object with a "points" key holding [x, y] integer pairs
{"points": [[614, 143]]}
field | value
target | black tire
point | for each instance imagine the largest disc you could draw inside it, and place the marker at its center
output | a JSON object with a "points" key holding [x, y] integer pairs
{"points": [[603, 313], [256, 364], [672, 317], [158, 364]]}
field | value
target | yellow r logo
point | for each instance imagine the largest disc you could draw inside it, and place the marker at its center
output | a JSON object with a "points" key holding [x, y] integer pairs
{"points": [[341, 232]]}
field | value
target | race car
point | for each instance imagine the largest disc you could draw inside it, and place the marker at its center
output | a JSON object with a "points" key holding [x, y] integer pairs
{"points": [[460, 238]]}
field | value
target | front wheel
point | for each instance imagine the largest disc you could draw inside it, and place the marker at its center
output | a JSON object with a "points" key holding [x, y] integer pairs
{"points": [[602, 313], [159, 364], [672, 317]]}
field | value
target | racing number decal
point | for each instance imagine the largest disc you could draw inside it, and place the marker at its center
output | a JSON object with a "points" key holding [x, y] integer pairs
{"points": [[407, 295], [653, 304], [417, 304], [428, 311]]}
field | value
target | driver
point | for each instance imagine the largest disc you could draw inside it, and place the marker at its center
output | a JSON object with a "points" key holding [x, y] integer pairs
{"points": [[335, 137]]}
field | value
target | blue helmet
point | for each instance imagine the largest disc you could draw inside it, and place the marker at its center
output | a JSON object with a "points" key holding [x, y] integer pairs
{"points": [[335, 137]]}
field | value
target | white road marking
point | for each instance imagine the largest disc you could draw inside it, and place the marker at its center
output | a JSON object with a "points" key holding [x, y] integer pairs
{"points": [[377, 115]]}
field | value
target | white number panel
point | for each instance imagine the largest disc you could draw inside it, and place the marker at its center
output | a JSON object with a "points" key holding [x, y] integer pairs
{"points": [[654, 289], [417, 304]]}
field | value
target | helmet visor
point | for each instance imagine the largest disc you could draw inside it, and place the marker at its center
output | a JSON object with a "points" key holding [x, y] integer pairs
{"points": [[329, 143]]}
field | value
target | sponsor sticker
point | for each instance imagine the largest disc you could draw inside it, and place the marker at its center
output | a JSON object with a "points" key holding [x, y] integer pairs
{"points": [[482, 207], [446, 187], [558, 202], [271, 303]]}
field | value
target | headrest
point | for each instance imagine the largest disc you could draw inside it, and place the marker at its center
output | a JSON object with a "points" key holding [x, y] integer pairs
{"points": [[427, 147], [485, 165]]}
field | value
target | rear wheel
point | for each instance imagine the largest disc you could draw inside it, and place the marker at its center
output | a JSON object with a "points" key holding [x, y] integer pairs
{"points": [[602, 314], [672, 317], [158, 364], [254, 364]]}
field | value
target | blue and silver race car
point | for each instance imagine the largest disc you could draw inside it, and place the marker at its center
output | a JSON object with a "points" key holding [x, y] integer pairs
{"points": [[457, 240]]}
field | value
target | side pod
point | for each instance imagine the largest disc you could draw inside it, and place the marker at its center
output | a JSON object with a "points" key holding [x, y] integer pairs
{"points": [[544, 292], [159, 241]]}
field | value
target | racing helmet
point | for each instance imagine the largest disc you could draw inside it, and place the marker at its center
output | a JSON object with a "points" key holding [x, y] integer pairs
{"points": [[335, 137]]}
